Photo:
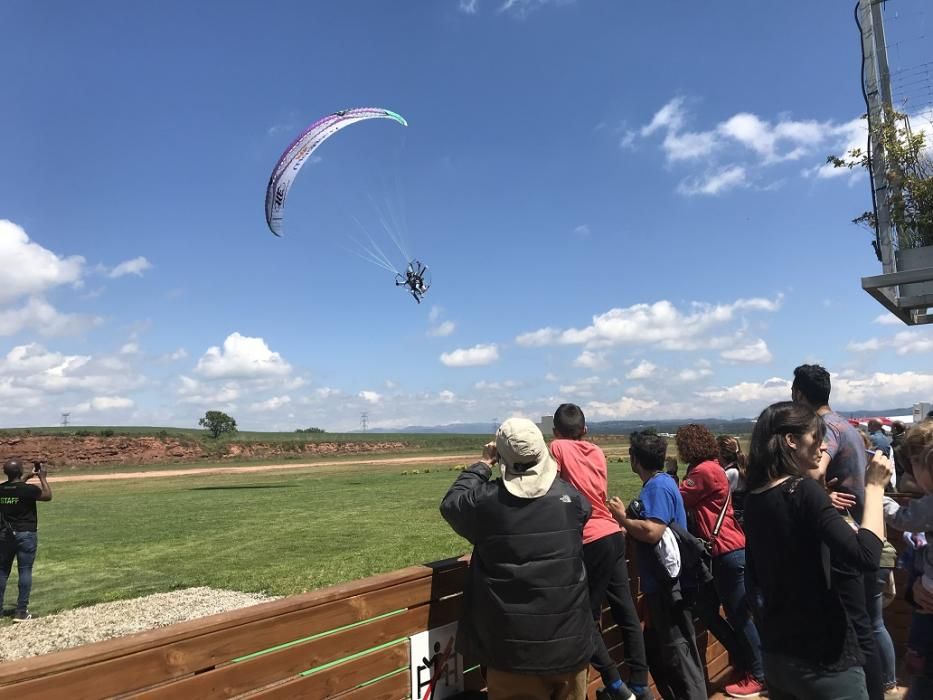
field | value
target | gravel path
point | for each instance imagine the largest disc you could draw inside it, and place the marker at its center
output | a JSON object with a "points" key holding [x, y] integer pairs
{"points": [[108, 620]]}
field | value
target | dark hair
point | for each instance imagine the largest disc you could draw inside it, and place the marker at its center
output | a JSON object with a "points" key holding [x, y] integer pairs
{"points": [[695, 444], [670, 466], [649, 449], [898, 427], [569, 421], [731, 450], [813, 382], [13, 468], [769, 456]]}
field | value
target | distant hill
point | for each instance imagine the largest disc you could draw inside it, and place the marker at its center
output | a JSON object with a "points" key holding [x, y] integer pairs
{"points": [[738, 426]]}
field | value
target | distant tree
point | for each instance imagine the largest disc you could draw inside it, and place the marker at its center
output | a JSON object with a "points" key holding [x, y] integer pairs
{"points": [[310, 430], [217, 423]]}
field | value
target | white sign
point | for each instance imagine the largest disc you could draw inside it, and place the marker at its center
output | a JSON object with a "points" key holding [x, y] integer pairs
{"points": [[436, 669]]}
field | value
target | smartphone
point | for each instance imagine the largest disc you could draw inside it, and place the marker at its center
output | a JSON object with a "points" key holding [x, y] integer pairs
{"points": [[36, 466]]}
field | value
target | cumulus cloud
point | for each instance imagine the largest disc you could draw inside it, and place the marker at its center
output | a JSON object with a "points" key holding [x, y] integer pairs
{"points": [[136, 266], [207, 394], [242, 357], [908, 342], [471, 357], [888, 319], [660, 323], [625, 407], [643, 370], [743, 393], [271, 404], [40, 316], [31, 269], [130, 348], [104, 403], [370, 396], [591, 360], [582, 231], [179, 354], [447, 396], [755, 352]]}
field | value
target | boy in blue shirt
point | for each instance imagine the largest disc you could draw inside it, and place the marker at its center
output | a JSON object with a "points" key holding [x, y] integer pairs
{"points": [[670, 638]]}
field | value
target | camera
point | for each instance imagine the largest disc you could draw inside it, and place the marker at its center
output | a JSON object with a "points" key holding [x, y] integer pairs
{"points": [[36, 465]]}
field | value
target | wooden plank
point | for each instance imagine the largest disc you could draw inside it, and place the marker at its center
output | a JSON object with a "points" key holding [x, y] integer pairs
{"points": [[193, 654], [235, 679], [339, 678], [392, 688], [447, 575]]}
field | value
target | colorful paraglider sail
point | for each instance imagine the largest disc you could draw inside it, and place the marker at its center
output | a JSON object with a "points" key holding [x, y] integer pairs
{"points": [[297, 154]]}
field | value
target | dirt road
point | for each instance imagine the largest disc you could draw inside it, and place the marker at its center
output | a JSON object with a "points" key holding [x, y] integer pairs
{"points": [[205, 471]]}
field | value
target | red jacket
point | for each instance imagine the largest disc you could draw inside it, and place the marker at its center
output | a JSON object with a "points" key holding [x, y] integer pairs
{"points": [[704, 490]]}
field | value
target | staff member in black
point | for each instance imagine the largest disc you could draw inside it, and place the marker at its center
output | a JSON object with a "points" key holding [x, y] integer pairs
{"points": [[18, 507]]}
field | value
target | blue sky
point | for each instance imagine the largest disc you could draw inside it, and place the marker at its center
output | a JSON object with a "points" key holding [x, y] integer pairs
{"points": [[622, 204]]}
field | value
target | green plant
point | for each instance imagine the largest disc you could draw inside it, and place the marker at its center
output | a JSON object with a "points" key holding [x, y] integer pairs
{"points": [[107, 432], [217, 423], [908, 170]]}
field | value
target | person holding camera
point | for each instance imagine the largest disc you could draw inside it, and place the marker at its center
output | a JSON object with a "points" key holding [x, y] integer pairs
{"points": [[526, 610], [18, 508]]}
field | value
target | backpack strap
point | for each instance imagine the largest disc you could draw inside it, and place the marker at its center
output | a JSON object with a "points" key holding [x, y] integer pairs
{"points": [[722, 516]]}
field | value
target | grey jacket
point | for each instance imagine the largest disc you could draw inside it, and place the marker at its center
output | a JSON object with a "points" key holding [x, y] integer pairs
{"points": [[916, 515]]}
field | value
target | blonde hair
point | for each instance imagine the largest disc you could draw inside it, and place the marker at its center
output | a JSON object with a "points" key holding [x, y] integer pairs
{"points": [[919, 438]]}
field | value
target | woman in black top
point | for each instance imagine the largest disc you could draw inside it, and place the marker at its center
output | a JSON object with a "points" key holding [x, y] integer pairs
{"points": [[792, 532]]}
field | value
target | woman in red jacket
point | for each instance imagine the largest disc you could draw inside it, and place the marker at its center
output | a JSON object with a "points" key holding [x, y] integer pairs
{"points": [[705, 490]]}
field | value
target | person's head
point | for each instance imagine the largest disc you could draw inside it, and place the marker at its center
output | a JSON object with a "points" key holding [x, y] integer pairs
{"points": [[528, 470], [786, 441], [569, 422], [918, 440], [695, 444], [730, 453], [670, 465], [13, 469], [923, 472], [874, 425], [898, 428], [646, 452], [811, 385]]}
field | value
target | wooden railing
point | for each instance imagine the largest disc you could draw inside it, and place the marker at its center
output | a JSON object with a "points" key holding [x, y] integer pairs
{"points": [[348, 641]]}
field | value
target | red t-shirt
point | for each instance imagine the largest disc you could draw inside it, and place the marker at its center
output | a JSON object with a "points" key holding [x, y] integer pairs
{"points": [[583, 464], [704, 490]]}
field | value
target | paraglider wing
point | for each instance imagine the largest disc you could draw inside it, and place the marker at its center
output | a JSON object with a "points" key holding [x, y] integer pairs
{"points": [[296, 155]]}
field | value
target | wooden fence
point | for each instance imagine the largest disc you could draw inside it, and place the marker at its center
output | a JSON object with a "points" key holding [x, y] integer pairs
{"points": [[348, 641]]}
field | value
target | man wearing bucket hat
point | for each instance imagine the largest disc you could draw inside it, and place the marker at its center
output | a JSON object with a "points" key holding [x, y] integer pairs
{"points": [[526, 610]]}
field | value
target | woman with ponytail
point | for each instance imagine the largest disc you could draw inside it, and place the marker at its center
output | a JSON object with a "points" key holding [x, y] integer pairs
{"points": [[733, 461], [793, 533]]}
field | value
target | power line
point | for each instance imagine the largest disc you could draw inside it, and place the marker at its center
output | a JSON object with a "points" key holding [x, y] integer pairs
{"points": [[65, 419], [364, 421]]}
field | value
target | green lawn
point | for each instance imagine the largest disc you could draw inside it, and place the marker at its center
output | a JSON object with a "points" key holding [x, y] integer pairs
{"points": [[279, 533]]}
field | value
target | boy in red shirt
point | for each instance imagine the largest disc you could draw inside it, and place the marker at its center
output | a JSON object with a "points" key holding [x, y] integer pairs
{"points": [[583, 464]]}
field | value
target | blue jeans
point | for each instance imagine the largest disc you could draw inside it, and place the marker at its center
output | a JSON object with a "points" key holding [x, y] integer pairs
{"points": [[795, 679], [737, 632], [25, 554], [882, 638]]}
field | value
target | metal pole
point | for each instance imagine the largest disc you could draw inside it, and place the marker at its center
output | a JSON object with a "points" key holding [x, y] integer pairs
{"points": [[875, 63]]}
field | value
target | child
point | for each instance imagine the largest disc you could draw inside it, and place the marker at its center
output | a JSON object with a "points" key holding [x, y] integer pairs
{"points": [[583, 464], [918, 515]]}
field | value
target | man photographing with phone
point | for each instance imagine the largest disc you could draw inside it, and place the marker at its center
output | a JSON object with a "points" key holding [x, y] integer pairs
{"points": [[18, 513]]}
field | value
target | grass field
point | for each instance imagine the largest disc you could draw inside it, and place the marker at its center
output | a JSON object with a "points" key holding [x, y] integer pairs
{"points": [[280, 533]]}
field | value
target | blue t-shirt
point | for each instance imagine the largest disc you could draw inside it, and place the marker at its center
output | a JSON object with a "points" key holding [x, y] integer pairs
{"points": [[880, 441], [661, 500], [848, 460]]}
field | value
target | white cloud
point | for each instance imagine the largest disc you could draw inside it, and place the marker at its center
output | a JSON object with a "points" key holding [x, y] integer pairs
{"points": [[755, 352], [325, 392], [40, 316], [907, 342], [130, 348], [242, 357], [714, 183], [136, 266], [583, 231], [660, 323], [271, 404], [591, 360], [870, 345], [643, 370], [888, 319], [583, 387], [179, 354], [471, 357], [760, 394], [625, 407], [30, 269], [370, 396], [692, 375], [520, 9], [447, 396], [443, 329], [468, 6], [192, 391]]}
